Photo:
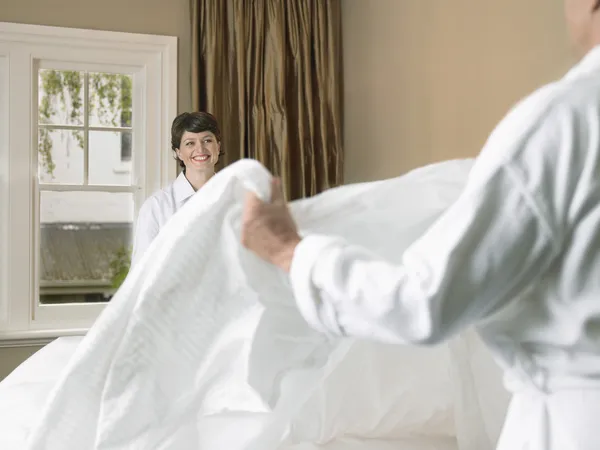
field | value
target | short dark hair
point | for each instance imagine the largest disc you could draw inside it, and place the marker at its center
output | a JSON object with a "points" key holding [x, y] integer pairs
{"points": [[193, 122]]}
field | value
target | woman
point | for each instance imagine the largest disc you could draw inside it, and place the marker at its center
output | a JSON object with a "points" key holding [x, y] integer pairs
{"points": [[196, 143]]}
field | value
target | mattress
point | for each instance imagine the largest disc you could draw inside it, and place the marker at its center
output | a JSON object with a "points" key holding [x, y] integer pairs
{"points": [[24, 392]]}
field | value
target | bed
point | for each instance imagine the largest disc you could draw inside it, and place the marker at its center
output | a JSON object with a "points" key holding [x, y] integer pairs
{"points": [[25, 391]]}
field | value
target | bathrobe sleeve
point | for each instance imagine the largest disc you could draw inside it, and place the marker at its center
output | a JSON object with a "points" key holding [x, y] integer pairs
{"points": [[498, 238]]}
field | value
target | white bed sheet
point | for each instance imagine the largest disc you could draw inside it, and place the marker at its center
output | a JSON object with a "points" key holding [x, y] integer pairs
{"points": [[170, 355], [24, 392], [422, 443]]}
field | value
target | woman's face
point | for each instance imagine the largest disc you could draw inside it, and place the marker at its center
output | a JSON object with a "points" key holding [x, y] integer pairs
{"points": [[199, 151]]}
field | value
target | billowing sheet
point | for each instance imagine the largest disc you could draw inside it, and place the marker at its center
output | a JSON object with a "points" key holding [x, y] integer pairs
{"points": [[203, 348]]}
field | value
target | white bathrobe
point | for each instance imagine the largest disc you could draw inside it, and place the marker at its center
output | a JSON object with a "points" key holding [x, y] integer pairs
{"points": [[518, 255]]}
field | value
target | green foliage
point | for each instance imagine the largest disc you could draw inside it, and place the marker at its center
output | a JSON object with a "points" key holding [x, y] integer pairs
{"points": [[110, 95], [119, 266], [45, 151], [113, 109]]}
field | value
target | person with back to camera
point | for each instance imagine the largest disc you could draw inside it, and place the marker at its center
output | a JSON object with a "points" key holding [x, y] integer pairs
{"points": [[517, 255], [196, 143]]}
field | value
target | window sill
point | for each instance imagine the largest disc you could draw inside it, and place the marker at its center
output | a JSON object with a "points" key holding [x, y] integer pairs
{"points": [[35, 338]]}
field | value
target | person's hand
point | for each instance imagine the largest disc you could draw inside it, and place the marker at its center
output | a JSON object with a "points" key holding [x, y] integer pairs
{"points": [[268, 229]]}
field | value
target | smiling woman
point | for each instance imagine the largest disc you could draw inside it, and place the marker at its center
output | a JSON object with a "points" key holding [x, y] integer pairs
{"points": [[196, 143], [196, 135]]}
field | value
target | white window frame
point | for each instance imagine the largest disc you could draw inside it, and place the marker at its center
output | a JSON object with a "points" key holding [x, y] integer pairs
{"points": [[153, 61], [4, 190]]}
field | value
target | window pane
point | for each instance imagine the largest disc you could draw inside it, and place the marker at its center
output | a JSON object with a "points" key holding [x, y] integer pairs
{"points": [[60, 97], [109, 153], [85, 245], [110, 100], [60, 156]]}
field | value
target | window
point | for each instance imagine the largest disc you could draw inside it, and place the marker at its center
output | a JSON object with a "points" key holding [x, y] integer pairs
{"points": [[85, 207], [89, 118]]}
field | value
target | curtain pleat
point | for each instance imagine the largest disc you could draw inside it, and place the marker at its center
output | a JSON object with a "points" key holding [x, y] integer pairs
{"points": [[270, 71]]}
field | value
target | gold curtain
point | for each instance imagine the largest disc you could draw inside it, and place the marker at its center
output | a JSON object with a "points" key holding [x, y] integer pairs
{"points": [[270, 71]]}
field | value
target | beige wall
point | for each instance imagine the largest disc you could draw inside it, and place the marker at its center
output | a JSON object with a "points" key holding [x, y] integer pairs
{"points": [[164, 17], [428, 80], [10, 358]]}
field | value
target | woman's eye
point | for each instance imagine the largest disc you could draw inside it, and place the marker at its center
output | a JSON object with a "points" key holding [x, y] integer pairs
{"points": [[189, 144]]}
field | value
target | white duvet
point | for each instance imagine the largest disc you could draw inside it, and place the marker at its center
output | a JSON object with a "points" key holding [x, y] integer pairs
{"points": [[203, 348]]}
